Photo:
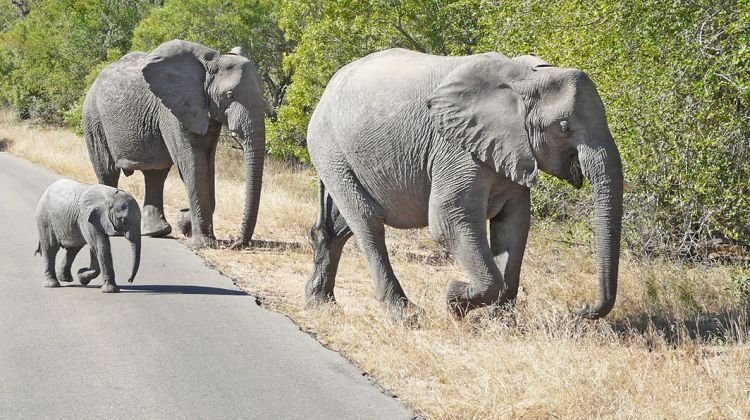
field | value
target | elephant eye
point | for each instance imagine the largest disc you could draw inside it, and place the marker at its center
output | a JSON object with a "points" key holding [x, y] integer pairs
{"points": [[564, 127]]}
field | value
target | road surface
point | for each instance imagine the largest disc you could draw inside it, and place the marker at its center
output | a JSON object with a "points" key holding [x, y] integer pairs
{"points": [[180, 342]]}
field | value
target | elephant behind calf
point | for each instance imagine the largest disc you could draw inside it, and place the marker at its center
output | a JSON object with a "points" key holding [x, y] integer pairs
{"points": [[409, 140], [70, 215], [148, 111]]}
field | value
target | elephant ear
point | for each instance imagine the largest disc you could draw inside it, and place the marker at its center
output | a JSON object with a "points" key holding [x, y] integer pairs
{"points": [[532, 61], [176, 73], [238, 51], [475, 107], [98, 201]]}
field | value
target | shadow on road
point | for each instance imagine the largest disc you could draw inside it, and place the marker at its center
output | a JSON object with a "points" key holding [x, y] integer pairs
{"points": [[180, 290]]}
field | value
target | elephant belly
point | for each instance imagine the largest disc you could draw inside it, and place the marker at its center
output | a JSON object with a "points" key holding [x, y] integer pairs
{"points": [[67, 234], [129, 165], [74, 240], [140, 153], [403, 199]]}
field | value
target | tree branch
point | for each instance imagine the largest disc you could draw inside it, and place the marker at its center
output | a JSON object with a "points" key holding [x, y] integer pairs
{"points": [[416, 45]]}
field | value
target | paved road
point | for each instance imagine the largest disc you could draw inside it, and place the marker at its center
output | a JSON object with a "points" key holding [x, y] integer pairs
{"points": [[181, 342]]}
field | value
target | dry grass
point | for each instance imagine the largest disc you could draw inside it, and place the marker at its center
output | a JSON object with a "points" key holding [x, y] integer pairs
{"points": [[677, 344]]}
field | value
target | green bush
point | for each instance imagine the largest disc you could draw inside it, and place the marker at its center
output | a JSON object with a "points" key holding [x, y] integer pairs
{"points": [[673, 76], [46, 55]]}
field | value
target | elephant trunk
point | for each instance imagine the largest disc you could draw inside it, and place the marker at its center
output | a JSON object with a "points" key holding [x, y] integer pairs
{"points": [[134, 236], [250, 127], [602, 167]]}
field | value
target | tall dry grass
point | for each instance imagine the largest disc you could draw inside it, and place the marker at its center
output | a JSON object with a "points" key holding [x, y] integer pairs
{"points": [[677, 344]]}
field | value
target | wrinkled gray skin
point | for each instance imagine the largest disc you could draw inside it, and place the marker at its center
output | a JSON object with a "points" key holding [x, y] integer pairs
{"points": [[70, 215], [409, 140], [147, 111]]}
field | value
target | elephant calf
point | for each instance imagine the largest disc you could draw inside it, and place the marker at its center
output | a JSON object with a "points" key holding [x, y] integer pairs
{"points": [[70, 215]]}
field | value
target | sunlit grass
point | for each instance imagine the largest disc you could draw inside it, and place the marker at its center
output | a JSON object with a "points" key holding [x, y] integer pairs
{"points": [[676, 345]]}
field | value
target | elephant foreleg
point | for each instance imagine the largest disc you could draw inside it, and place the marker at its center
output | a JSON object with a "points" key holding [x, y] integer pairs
{"points": [[468, 242], [328, 236], [509, 231], [153, 222], [191, 156], [101, 248], [211, 162], [86, 274], [63, 268]]}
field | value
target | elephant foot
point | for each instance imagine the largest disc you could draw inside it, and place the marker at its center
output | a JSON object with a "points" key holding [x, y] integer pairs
{"points": [[65, 277], [153, 223], [405, 313], [51, 283], [157, 231], [240, 244], [462, 299], [458, 298], [202, 241], [110, 288], [85, 275], [316, 300], [184, 223]]}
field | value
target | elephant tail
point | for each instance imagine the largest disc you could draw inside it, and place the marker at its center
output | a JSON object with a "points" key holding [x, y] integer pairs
{"points": [[38, 249], [321, 203]]}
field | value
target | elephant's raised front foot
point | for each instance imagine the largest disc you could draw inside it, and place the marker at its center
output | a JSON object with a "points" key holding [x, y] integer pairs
{"points": [[110, 288], [405, 313], [51, 283], [462, 298], [153, 223], [184, 223], [85, 275]]}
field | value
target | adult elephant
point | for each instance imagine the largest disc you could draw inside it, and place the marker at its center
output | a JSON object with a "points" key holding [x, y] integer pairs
{"points": [[147, 111], [412, 140]]}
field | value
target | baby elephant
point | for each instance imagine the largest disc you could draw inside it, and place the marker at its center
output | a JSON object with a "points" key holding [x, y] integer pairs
{"points": [[70, 215]]}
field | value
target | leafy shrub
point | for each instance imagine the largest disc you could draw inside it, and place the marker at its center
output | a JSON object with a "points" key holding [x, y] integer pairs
{"points": [[46, 55], [673, 76]]}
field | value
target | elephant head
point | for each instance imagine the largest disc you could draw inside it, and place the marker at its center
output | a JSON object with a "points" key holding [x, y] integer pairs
{"points": [[524, 115], [198, 84], [112, 211]]}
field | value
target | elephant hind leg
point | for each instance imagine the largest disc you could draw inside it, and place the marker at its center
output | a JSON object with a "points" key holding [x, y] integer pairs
{"points": [[63, 268], [365, 218], [153, 221], [101, 158], [328, 236], [48, 247], [49, 252]]}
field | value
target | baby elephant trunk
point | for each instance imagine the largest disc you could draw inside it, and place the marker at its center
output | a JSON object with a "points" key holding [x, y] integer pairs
{"points": [[134, 236]]}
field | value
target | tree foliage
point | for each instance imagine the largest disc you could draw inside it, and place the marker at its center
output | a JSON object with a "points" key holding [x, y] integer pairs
{"points": [[223, 25], [47, 54], [673, 75]]}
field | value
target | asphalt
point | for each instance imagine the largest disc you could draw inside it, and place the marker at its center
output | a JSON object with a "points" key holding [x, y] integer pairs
{"points": [[180, 342]]}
